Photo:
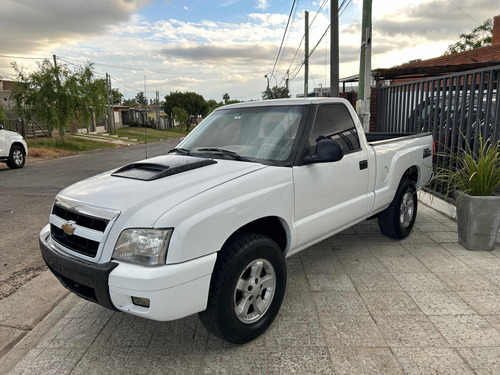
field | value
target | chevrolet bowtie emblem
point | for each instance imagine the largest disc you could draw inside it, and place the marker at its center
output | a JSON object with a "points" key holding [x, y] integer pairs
{"points": [[68, 228]]}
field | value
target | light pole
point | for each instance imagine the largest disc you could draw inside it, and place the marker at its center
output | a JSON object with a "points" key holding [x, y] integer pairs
{"points": [[267, 76]]}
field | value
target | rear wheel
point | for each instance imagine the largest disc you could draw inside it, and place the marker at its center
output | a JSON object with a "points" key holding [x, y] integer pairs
{"points": [[397, 220], [16, 157], [247, 288]]}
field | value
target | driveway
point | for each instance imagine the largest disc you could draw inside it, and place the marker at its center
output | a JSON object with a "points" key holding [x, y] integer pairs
{"points": [[356, 303]]}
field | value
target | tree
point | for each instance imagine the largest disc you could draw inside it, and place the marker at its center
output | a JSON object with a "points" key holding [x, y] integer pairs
{"points": [[276, 93], [130, 102], [116, 96], [3, 116], [141, 99], [478, 37], [194, 104], [181, 116], [225, 97], [57, 95]]}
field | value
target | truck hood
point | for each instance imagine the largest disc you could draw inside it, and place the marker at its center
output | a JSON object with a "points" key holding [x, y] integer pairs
{"points": [[145, 190], [11, 135]]}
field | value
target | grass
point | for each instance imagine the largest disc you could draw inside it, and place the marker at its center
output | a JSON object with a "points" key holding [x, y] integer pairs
{"points": [[152, 134], [57, 147]]}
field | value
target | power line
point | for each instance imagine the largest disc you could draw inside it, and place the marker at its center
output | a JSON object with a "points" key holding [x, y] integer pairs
{"points": [[303, 36], [283, 39], [25, 58], [468, 15], [320, 39]]}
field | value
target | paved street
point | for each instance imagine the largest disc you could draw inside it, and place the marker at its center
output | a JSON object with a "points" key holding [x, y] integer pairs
{"points": [[26, 196], [357, 303]]}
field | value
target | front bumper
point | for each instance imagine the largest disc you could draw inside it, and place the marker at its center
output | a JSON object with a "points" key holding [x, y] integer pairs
{"points": [[86, 279], [174, 291]]}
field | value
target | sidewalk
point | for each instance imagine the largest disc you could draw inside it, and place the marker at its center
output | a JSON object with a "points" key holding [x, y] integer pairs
{"points": [[357, 303]]}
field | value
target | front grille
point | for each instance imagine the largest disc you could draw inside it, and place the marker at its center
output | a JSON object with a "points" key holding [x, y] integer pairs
{"points": [[76, 243], [80, 219]]}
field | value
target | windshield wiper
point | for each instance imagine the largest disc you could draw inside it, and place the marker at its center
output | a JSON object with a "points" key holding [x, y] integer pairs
{"points": [[225, 152], [182, 151]]}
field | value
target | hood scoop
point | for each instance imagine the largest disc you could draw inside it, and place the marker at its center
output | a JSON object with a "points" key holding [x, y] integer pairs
{"points": [[152, 171]]}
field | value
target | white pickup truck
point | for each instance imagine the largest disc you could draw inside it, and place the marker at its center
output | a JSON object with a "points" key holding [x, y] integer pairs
{"points": [[13, 148], [206, 228]]}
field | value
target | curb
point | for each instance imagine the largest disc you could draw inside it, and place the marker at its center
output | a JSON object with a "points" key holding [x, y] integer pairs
{"points": [[22, 312]]}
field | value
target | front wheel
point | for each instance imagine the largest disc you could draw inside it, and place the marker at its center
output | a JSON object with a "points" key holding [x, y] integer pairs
{"points": [[16, 157], [247, 288], [397, 220]]}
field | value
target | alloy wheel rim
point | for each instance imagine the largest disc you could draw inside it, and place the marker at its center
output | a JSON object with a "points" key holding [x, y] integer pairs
{"points": [[254, 291], [18, 157], [406, 210]]}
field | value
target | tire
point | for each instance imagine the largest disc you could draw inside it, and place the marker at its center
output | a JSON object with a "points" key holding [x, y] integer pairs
{"points": [[17, 157], [247, 288], [397, 220]]}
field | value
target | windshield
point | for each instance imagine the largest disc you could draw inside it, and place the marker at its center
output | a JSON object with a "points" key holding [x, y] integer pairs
{"points": [[261, 133]]}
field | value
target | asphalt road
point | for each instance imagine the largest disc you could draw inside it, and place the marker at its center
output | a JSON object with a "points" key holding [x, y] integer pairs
{"points": [[26, 197]]}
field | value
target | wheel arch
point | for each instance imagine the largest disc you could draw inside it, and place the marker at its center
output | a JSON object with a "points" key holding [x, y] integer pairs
{"points": [[18, 144], [271, 226], [412, 174]]}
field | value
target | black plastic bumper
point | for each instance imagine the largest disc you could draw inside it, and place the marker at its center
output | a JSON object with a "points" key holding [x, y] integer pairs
{"points": [[87, 280]]}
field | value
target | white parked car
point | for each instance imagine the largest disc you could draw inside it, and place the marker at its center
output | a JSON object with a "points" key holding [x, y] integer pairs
{"points": [[206, 229], [13, 148]]}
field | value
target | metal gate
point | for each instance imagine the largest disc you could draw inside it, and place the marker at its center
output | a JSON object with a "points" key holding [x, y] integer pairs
{"points": [[456, 109]]}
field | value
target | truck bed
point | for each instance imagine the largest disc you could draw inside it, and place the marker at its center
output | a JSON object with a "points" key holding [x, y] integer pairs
{"points": [[380, 138]]}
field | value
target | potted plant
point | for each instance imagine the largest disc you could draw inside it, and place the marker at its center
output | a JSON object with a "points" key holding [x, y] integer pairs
{"points": [[474, 178]]}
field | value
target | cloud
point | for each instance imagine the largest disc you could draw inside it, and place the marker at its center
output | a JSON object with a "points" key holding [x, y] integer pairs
{"points": [[34, 25], [262, 4]]}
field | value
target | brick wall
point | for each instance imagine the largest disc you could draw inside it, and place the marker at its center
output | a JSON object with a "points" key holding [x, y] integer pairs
{"points": [[6, 85], [496, 31]]}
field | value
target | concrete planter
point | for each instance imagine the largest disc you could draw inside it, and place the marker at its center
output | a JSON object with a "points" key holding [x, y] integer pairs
{"points": [[478, 221]]}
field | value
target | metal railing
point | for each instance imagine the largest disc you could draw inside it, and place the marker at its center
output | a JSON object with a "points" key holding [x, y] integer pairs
{"points": [[457, 109]]}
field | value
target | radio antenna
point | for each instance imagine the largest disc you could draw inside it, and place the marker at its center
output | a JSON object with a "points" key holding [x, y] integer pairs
{"points": [[146, 125]]}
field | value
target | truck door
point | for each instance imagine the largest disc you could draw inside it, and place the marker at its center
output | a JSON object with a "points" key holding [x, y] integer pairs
{"points": [[330, 196]]}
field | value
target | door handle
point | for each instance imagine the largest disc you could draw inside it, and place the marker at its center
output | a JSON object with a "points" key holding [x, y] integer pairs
{"points": [[363, 164]]}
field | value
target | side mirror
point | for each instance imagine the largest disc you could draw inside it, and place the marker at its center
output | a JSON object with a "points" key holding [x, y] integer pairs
{"points": [[327, 151]]}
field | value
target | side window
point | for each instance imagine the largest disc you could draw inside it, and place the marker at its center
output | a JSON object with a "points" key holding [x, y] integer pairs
{"points": [[334, 121]]}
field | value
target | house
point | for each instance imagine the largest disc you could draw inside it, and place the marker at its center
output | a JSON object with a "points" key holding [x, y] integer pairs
{"points": [[5, 87]]}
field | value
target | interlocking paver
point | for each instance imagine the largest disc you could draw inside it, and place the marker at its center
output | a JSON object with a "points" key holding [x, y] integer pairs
{"points": [[390, 303], [466, 330], [373, 361], [420, 281], [356, 303], [466, 281], [409, 331], [382, 281], [418, 361], [435, 302], [485, 361]]}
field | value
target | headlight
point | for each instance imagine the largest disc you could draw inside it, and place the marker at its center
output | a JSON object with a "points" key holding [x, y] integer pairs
{"points": [[143, 246]]}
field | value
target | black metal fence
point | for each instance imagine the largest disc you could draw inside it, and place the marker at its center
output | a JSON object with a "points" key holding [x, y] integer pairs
{"points": [[457, 109]]}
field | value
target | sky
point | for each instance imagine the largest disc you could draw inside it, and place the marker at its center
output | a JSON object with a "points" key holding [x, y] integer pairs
{"points": [[226, 46]]}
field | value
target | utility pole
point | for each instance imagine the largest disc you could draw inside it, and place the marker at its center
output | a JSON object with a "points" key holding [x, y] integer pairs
{"points": [[365, 67], [334, 48], [108, 92], [287, 79], [112, 105], [306, 61], [157, 110]]}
